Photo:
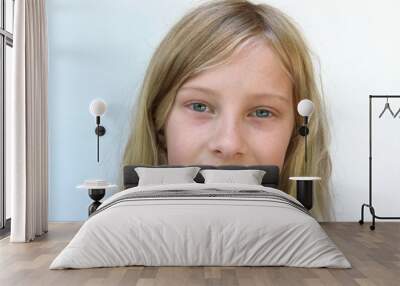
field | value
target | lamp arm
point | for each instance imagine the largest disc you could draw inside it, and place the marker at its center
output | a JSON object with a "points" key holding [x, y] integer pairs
{"points": [[98, 136], [98, 145], [305, 147]]}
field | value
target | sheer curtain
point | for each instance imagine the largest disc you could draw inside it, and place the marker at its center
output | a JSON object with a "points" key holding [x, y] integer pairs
{"points": [[27, 123]]}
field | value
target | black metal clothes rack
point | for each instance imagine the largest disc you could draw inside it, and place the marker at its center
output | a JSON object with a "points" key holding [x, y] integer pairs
{"points": [[369, 205]]}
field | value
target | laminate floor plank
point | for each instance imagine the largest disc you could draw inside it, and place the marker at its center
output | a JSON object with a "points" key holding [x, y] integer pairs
{"points": [[374, 255]]}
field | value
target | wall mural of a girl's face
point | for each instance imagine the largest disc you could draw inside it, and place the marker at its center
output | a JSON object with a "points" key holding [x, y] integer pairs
{"points": [[239, 113]]}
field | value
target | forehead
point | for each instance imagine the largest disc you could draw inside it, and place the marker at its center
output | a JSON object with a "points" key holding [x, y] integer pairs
{"points": [[254, 68]]}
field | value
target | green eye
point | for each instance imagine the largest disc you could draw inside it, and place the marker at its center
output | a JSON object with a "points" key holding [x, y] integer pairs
{"points": [[263, 113], [199, 106]]}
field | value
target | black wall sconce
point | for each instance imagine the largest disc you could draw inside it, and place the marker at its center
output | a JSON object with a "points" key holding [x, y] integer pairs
{"points": [[97, 108], [305, 108], [305, 183]]}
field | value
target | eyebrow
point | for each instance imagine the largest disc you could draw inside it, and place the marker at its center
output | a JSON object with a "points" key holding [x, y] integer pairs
{"points": [[209, 90]]}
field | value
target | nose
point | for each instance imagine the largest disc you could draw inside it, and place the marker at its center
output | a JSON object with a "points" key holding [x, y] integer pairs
{"points": [[228, 141]]}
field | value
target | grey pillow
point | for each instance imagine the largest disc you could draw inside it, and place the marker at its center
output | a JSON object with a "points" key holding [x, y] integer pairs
{"points": [[248, 177], [160, 176]]}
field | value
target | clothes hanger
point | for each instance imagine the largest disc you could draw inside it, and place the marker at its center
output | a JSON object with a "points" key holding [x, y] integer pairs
{"points": [[398, 111], [387, 106]]}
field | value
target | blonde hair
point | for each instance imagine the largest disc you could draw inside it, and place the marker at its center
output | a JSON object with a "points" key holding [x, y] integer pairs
{"points": [[207, 36]]}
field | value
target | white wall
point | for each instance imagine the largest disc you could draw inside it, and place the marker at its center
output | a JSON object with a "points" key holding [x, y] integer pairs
{"points": [[358, 45], [100, 48], [357, 48]]}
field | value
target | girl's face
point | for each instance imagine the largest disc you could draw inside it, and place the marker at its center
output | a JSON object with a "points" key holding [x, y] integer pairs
{"points": [[240, 113]]}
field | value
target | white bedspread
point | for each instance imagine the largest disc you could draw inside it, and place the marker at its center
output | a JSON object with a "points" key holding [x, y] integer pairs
{"points": [[181, 231]]}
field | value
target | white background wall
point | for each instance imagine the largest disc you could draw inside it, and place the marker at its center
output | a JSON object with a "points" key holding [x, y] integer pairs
{"points": [[358, 45], [100, 48]]}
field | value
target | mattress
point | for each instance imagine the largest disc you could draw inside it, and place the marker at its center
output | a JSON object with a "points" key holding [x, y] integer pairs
{"points": [[201, 225]]}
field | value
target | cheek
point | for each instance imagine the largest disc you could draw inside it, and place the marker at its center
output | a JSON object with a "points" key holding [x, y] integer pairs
{"points": [[185, 137], [269, 146]]}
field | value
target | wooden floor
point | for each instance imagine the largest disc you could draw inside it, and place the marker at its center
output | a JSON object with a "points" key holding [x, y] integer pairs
{"points": [[374, 255]]}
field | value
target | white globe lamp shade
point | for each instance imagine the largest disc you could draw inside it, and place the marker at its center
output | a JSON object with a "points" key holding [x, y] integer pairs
{"points": [[97, 107], [305, 107]]}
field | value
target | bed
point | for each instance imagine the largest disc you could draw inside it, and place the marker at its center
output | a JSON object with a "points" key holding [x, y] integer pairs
{"points": [[201, 223]]}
